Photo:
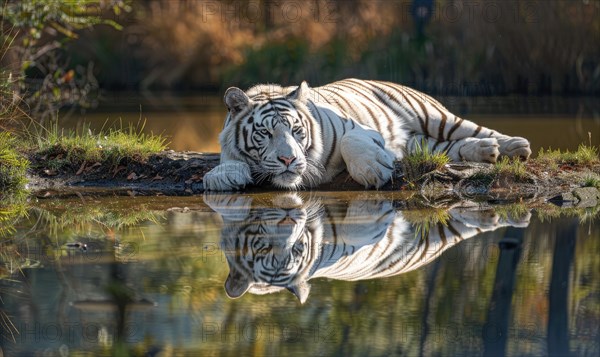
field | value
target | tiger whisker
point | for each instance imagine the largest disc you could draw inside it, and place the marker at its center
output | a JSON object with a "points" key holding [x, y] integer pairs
{"points": [[259, 174], [313, 173]]}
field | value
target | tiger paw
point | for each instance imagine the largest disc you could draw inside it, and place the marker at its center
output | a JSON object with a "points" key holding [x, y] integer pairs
{"points": [[228, 176], [371, 166], [481, 218], [480, 150], [365, 217], [364, 211], [514, 146]]}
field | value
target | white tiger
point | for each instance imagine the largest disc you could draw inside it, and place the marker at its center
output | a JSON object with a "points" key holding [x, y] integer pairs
{"points": [[294, 137], [282, 245]]}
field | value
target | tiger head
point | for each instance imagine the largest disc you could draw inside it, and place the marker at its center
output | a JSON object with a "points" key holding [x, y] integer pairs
{"points": [[271, 129], [270, 249]]}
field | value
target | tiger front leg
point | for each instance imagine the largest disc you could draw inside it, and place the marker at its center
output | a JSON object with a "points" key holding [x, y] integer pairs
{"points": [[366, 158], [233, 207], [228, 176]]}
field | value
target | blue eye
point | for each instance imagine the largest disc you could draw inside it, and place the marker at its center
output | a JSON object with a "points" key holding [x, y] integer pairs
{"points": [[264, 132]]}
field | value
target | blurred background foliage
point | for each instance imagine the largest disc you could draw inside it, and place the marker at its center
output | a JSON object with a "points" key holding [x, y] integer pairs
{"points": [[61, 52], [37, 70]]}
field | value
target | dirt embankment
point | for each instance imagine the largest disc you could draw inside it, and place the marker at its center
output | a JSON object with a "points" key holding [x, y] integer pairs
{"points": [[181, 173]]}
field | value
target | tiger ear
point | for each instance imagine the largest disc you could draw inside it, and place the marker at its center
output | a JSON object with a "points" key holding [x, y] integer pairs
{"points": [[301, 290], [236, 285], [235, 99], [301, 93]]}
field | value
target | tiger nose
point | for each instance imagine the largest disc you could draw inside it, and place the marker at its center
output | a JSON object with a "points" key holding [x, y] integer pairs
{"points": [[287, 160]]}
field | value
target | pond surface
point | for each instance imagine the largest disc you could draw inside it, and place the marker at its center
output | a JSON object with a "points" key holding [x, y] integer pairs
{"points": [[355, 273]]}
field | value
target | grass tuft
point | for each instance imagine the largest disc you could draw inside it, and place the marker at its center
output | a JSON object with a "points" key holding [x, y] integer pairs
{"points": [[592, 181], [511, 167], [584, 156], [13, 167], [422, 161]]}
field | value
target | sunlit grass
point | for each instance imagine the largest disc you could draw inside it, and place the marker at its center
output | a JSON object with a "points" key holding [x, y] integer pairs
{"points": [[511, 166], [585, 155], [592, 181], [422, 161], [505, 167], [70, 148], [13, 166]]}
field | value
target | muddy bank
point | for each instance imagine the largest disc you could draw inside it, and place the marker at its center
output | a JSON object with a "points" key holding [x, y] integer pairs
{"points": [[180, 173]]}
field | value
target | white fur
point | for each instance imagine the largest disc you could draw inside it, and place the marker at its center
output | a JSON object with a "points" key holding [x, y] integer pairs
{"points": [[357, 125]]}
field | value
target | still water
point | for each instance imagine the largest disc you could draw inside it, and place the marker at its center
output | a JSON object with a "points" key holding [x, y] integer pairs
{"points": [[355, 273]]}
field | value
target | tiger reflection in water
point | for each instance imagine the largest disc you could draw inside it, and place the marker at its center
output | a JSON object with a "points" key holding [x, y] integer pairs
{"points": [[284, 242]]}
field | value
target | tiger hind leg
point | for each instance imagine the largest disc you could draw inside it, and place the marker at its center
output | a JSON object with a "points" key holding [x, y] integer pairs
{"points": [[514, 146], [446, 127]]}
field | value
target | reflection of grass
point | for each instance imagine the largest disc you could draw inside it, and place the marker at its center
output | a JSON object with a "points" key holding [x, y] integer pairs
{"points": [[12, 208], [86, 217], [511, 211], [549, 212], [421, 162], [13, 260], [425, 219], [63, 225], [9, 330], [71, 149]]}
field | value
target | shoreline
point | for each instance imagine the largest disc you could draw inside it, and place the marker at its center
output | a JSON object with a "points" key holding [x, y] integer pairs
{"points": [[180, 173]]}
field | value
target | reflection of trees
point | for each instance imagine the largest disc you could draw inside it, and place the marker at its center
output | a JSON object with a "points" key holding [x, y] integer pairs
{"points": [[108, 285], [495, 330], [558, 320]]}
